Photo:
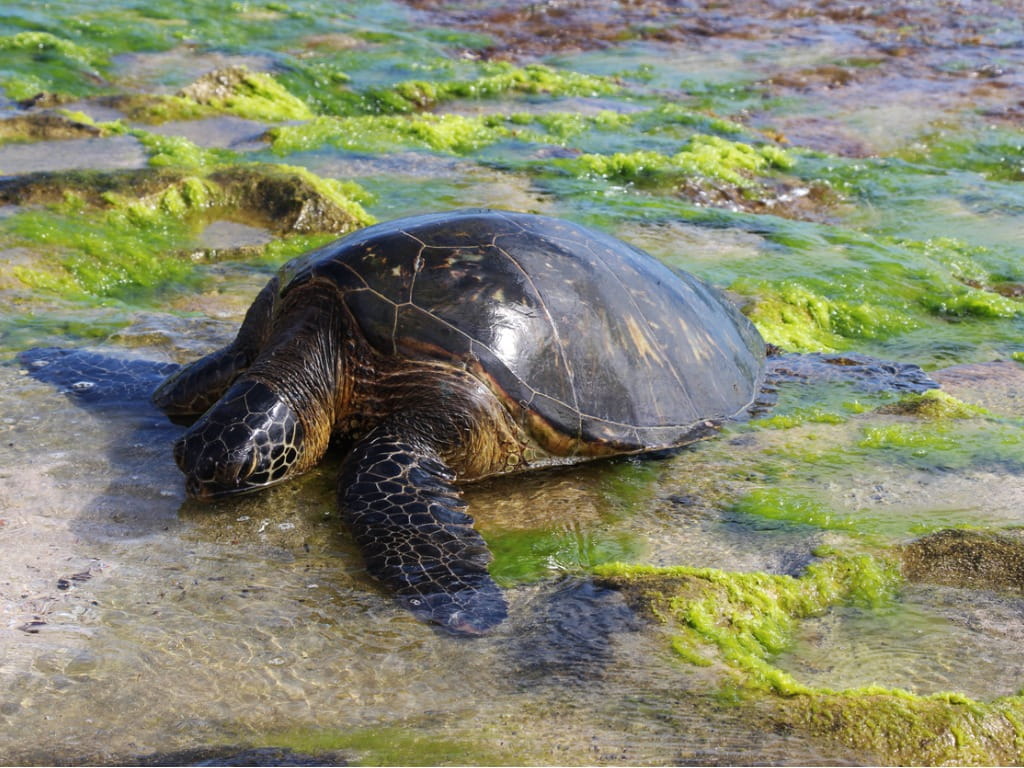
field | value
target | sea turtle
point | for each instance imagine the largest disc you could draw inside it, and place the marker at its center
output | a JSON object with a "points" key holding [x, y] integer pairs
{"points": [[450, 347]]}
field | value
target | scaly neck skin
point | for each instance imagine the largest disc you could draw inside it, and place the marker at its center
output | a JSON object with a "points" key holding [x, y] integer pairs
{"points": [[303, 365]]}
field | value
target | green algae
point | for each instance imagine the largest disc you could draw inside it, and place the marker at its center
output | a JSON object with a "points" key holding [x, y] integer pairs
{"points": [[784, 505], [525, 555], [451, 133], [398, 744], [935, 404], [995, 152], [121, 251], [529, 556], [496, 79], [813, 414], [904, 729], [706, 156], [794, 317], [739, 622], [875, 289], [179, 152], [141, 223], [970, 442], [234, 91], [35, 61]]}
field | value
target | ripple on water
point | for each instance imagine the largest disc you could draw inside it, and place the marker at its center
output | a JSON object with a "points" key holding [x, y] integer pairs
{"points": [[101, 154], [934, 639]]}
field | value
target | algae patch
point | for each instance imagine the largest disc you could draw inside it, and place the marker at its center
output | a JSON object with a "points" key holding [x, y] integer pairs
{"points": [[707, 156], [140, 222], [496, 78], [232, 91], [738, 622], [404, 744]]}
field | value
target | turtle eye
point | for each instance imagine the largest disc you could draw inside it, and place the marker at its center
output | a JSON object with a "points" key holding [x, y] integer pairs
{"points": [[249, 439]]}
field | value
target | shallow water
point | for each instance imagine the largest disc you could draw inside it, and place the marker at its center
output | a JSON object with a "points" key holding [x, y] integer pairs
{"points": [[135, 622]]}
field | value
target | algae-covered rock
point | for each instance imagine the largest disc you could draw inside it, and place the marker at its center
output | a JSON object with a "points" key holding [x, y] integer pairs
{"points": [[740, 620], [900, 728], [142, 222], [94, 188], [230, 91], [962, 558], [239, 91], [44, 126], [736, 623], [933, 404], [287, 200]]}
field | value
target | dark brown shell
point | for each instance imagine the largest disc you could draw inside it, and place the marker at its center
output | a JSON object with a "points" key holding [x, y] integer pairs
{"points": [[588, 339]]}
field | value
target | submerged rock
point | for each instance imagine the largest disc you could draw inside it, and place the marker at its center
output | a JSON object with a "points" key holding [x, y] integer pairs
{"points": [[287, 200], [44, 126], [572, 637], [961, 558]]}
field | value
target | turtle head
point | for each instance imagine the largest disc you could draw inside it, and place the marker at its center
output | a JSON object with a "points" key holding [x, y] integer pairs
{"points": [[249, 439]]}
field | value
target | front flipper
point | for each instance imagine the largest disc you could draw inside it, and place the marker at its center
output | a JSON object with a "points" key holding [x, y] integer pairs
{"points": [[409, 521]]}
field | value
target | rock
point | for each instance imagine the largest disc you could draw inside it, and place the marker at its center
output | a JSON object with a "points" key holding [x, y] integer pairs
{"points": [[961, 558]]}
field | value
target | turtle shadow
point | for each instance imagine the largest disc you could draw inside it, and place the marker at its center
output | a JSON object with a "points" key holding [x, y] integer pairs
{"points": [[132, 436]]}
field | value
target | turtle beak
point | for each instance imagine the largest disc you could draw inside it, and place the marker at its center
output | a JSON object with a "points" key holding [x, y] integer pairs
{"points": [[197, 490], [249, 440]]}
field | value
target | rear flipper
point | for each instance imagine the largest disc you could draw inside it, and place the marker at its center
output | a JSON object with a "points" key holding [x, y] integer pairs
{"points": [[409, 521], [864, 372]]}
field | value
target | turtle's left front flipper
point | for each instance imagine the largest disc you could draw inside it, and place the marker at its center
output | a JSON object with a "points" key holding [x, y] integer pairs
{"points": [[409, 520]]}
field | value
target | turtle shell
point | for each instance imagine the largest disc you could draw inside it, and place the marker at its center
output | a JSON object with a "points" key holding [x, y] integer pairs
{"points": [[594, 345]]}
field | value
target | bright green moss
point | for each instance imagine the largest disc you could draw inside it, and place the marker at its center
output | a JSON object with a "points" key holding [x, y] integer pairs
{"points": [[347, 196], [812, 414], [666, 116], [179, 152], [42, 43], [743, 619], [252, 95], [36, 62], [235, 91], [718, 158], [705, 156], [796, 318], [740, 621], [140, 224], [561, 126], [790, 507], [453, 134], [935, 404], [498, 78], [917, 439], [966, 301], [120, 252]]}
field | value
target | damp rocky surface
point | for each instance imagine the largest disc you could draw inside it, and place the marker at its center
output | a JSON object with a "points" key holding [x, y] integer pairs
{"points": [[837, 580]]}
